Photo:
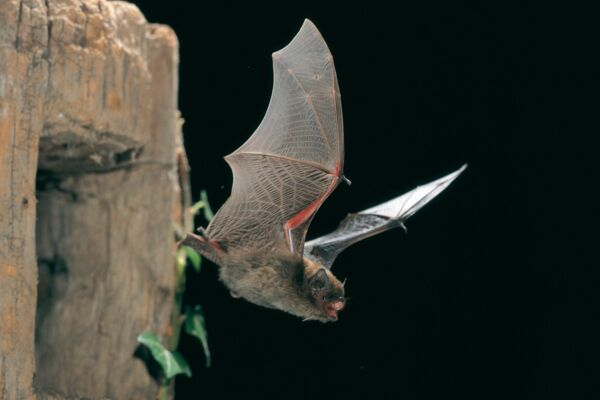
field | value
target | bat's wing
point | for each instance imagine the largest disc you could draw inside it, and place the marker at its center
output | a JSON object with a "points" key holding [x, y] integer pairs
{"points": [[294, 159], [366, 223]]}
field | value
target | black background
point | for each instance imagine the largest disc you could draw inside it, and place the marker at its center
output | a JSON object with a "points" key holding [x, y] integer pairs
{"points": [[481, 299]]}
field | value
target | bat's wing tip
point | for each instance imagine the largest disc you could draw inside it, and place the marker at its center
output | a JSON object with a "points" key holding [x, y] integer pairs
{"points": [[307, 30], [309, 27], [404, 206], [307, 22], [453, 175], [442, 183]]}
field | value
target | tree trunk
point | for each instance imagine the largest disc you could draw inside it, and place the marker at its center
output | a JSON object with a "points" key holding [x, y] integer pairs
{"points": [[88, 104]]}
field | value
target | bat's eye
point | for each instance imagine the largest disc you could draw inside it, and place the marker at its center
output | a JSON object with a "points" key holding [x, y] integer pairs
{"points": [[331, 297]]}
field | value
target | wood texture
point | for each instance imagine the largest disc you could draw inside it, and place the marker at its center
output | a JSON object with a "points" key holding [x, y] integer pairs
{"points": [[88, 100]]}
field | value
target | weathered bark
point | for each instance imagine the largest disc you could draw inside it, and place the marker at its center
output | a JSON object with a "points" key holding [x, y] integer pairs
{"points": [[88, 98]]}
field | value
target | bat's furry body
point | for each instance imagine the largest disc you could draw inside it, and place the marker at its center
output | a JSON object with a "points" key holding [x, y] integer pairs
{"points": [[280, 281], [282, 175]]}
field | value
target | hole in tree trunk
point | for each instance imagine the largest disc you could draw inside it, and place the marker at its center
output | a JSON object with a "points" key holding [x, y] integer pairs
{"points": [[90, 198]]}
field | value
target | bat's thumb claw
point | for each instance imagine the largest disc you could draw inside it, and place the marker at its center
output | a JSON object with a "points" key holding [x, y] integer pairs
{"points": [[346, 180], [404, 227]]}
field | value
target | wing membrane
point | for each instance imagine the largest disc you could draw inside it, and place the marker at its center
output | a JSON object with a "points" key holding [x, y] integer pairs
{"points": [[374, 220], [293, 161]]}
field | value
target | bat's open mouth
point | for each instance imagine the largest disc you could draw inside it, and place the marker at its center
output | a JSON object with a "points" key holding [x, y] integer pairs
{"points": [[331, 309]]}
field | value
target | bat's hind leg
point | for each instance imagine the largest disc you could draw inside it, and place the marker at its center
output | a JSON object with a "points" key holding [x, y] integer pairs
{"points": [[202, 233], [209, 248]]}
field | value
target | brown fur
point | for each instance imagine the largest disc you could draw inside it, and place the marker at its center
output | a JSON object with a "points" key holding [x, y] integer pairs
{"points": [[279, 282], [273, 281]]}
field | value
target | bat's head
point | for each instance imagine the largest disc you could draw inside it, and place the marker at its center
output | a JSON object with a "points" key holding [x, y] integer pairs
{"points": [[327, 293]]}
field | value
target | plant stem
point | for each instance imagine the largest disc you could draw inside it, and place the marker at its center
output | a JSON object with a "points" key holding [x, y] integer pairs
{"points": [[176, 316], [164, 393], [166, 387]]}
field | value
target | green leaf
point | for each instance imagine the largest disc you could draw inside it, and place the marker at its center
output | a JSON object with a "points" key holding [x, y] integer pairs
{"points": [[208, 214], [171, 362], [196, 326], [197, 207], [193, 256], [203, 205], [184, 366], [180, 261]]}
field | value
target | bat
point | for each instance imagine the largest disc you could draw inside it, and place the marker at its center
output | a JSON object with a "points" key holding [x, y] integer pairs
{"points": [[281, 176]]}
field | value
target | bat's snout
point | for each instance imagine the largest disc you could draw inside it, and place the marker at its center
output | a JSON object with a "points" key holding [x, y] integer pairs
{"points": [[339, 305], [333, 307]]}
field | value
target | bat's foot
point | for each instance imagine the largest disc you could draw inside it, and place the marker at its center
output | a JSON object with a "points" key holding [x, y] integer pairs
{"points": [[202, 233], [235, 295]]}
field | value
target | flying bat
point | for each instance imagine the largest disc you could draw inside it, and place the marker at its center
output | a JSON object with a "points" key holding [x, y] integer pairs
{"points": [[281, 176]]}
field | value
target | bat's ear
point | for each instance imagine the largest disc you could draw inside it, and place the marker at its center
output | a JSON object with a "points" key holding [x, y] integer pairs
{"points": [[320, 280]]}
